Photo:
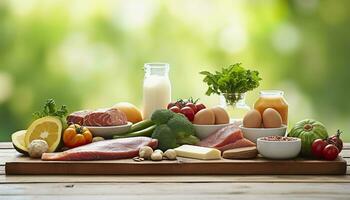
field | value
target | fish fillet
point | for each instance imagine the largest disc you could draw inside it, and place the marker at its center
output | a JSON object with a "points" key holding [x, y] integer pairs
{"points": [[104, 150]]}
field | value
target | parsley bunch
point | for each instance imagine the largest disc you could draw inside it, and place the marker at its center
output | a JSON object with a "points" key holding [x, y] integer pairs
{"points": [[232, 82], [50, 109]]}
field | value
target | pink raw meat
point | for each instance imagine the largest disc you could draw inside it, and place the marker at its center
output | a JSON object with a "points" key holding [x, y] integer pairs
{"points": [[104, 150], [230, 137]]}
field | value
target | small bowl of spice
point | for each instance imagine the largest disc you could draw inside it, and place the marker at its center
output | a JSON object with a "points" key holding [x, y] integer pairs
{"points": [[279, 147]]}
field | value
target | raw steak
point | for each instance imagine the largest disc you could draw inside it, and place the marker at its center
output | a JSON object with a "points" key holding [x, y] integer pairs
{"points": [[100, 117], [104, 150], [78, 117], [105, 117], [226, 138]]}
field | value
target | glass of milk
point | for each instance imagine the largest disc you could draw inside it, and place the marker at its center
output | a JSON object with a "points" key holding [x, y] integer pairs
{"points": [[156, 88]]}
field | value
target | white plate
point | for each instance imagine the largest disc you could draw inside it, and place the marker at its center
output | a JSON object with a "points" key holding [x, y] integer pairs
{"points": [[109, 131]]}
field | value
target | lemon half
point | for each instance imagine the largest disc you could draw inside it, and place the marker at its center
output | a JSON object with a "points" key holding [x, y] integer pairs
{"points": [[46, 128]]}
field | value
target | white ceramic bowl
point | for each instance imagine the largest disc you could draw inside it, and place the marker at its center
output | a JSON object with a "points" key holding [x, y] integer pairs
{"points": [[253, 134], [109, 131], [203, 131], [279, 149]]}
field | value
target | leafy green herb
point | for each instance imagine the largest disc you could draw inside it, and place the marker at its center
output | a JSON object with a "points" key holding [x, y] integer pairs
{"points": [[231, 82], [50, 109]]}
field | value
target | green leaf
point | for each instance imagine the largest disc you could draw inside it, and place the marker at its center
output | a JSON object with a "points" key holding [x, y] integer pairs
{"points": [[232, 79]]}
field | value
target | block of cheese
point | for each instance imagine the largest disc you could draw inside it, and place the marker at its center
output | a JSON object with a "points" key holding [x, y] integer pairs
{"points": [[197, 152]]}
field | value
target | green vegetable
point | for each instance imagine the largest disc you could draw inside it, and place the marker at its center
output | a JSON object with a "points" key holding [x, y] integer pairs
{"points": [[161, 116], [174, 131], [50, 109], [308, 130], [231, 82], [145, 132], [141, 125], [166, 137]]}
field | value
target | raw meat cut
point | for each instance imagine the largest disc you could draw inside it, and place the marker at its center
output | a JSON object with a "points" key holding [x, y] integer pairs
{"points": [[78, 117], [104, 150], [229, 137], [238, 144], [105, 117], [100, 117]]}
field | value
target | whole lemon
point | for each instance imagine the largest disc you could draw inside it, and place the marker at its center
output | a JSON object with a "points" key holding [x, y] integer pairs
{"points": [[133, 114]]}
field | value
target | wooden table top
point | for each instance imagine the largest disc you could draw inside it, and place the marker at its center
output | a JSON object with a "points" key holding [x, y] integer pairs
{"points": [[172, 187]]}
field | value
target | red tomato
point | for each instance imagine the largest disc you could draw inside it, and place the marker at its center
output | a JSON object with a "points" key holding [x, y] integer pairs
{"points": [[175, 109], [192, 106], [170, 105], [317, 147], [188, 112], [335, 139], [330, 152], [200, 106]]}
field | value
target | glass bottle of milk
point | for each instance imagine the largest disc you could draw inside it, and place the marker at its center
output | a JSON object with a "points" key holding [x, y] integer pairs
{"points": [[156, 88]]}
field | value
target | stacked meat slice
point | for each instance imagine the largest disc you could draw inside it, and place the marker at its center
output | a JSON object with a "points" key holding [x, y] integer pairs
{"points": [[230, 137]]}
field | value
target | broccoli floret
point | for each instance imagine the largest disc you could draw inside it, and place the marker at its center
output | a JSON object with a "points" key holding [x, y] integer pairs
{"points": [[166, 138], [187, 140], [181, 126], [172, 130], [162, 116]]}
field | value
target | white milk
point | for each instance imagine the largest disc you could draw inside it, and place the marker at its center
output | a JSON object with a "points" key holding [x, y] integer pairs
{"points": [[156, 88]]}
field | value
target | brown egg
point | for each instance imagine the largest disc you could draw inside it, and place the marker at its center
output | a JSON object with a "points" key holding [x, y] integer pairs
{"points": [[221, 116], [272, 118], [204, 117], [252, 119]]}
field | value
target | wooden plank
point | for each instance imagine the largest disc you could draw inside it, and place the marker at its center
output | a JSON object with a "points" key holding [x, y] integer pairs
{"points": [[182, 166], [346, 146], [179, 191], [345, 153], [173, 179], [6, 145]]}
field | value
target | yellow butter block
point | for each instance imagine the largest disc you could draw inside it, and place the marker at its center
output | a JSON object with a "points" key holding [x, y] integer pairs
{"points": [[196, 152]]}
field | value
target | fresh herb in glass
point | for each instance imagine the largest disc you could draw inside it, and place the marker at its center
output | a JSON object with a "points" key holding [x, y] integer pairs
{"points": [[232, 82]]}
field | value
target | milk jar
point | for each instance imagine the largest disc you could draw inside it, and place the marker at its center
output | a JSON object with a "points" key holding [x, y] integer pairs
{"points": [[156, 88]]}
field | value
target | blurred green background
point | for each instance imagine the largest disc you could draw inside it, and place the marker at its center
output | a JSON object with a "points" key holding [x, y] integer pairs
{"points": [[90, 54]]}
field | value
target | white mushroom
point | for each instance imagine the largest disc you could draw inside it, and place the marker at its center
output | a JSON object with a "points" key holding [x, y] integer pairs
{"points": [[97, 139], [170, 154], [156, 156], [145, 152], [37, 148], [159, 151]]}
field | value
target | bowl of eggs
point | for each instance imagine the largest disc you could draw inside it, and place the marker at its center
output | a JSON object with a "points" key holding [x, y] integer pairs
{"points": [[210, 120], [256, 125]]}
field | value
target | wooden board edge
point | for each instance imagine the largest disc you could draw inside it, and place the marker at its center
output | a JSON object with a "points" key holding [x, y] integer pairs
{"points": [[338, 167]]}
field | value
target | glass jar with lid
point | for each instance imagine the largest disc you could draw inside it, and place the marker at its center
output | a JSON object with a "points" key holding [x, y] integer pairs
{"points": [[273, 99]]}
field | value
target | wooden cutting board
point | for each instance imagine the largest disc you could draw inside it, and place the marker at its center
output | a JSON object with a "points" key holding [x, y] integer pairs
{"points": [[182, 166]]}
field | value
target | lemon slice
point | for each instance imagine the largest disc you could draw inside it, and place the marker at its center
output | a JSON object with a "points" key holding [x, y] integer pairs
{"points": [[18, 141], [46, 128]]}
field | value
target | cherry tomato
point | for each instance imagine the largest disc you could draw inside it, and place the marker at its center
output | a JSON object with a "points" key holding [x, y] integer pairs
{"points": [[317, 147], [200, 106], [188, 112], [170, 105], [335, 139], [330, 152], [175, 109], [192, 106]]}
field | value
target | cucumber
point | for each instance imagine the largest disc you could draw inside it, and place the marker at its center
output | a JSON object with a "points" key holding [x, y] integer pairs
{"points": [[145, 132], [141, 125]]}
